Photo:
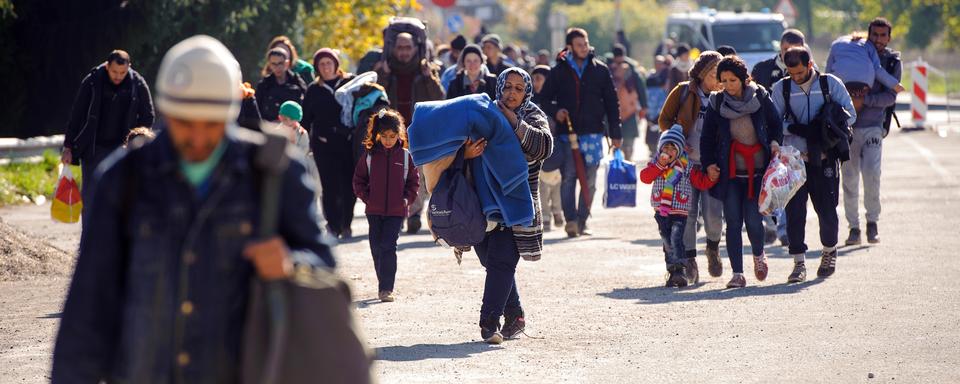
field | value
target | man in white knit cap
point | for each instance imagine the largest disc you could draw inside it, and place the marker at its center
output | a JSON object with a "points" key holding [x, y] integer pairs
{"points": [[162, 279]]}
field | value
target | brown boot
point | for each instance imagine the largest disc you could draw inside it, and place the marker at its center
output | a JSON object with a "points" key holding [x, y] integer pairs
{"points": [[714, 264], [691, 270]]}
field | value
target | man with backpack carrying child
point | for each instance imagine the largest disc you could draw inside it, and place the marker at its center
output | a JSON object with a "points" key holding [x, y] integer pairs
{"points": [[873, 124], [818, 111]]}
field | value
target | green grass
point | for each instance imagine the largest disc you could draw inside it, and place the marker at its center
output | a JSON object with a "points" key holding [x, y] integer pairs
{"points": [[25, 182], [935, 82]]}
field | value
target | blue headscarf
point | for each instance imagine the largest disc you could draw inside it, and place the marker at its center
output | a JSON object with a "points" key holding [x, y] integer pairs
{"points": [[527, 106]]}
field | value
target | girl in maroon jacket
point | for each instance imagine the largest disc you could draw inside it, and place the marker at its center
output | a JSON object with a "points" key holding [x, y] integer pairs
{"points": [[387, 182]]}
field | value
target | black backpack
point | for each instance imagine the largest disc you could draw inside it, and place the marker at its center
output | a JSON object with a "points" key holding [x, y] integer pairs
{"points": [[455, 214], [410, 25], [833, 133], [889, 113]]}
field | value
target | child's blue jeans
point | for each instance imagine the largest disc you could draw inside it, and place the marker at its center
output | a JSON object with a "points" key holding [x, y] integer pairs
{"points": [[671, 231]]}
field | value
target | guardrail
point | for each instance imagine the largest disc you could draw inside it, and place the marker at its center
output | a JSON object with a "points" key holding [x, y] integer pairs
{"points": [[28, 150]]}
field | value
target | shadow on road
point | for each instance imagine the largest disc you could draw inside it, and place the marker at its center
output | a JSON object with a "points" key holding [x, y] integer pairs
{"points": [[366, 303], [581, 238], [662, 295], [419, 352], [353, 239], [656, 243], [52, 316], [416, 244]]}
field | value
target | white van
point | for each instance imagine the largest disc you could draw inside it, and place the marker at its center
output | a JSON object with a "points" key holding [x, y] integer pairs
{"points": [[755, 35]]}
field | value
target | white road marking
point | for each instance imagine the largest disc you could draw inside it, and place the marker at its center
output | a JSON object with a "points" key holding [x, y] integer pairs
{"points": [[929, 156]]}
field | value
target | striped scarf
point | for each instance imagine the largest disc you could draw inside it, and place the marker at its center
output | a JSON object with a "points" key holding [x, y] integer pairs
{"points": [[671, 177]]}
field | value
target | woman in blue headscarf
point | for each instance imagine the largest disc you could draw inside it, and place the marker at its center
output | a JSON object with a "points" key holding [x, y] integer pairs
{"points": [[503, 246]]}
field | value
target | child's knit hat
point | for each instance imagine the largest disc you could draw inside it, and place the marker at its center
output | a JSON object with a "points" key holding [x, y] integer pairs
{"points": [[673, 135], [292, 110]]}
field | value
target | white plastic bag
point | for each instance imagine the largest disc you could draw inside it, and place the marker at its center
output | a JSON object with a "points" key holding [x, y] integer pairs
{"points": [[783, 178]]}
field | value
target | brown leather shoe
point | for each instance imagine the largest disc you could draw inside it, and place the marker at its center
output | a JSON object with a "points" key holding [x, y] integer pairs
{"points": [[737, 281], [760, 267]]}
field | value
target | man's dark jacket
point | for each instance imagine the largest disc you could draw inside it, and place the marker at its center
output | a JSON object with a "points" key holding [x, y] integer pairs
{"points": [[587, 98], [84, 124], [767, 72], [161, 286], [270, 94]]}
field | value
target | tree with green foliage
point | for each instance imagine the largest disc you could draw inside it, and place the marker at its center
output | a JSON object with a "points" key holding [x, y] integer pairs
{"points": [[47, 47], [918, 21], [352, 26]]}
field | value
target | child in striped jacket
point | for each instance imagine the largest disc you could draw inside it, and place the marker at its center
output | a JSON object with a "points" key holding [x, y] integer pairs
{"points": [[673, 176]]}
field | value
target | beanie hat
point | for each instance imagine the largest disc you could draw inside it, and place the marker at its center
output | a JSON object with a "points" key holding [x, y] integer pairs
{"points": [[198, 80], [542, 69], [705, 62], [674, 135], [492, 38], [458, 43], [291, 110], [328, 53], [472, 48]]}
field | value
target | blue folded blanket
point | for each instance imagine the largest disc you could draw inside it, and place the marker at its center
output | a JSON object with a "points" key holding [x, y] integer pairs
{"points": [[438, 130]]}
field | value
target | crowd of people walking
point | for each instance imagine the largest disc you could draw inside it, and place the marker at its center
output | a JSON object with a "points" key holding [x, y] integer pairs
{"points": [[166, 246]]}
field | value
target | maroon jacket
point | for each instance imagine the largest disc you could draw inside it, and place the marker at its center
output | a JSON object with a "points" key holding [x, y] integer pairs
{"points": [[383, 189]]}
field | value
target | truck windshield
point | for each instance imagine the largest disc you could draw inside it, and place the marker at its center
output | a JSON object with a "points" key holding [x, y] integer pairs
{"points": [[748, 37]]}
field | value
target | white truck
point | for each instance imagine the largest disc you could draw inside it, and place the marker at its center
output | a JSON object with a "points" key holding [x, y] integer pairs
{"points": [[755, 35]]}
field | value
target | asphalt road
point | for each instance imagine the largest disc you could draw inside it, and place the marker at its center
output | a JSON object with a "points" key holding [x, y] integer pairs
{"points": [[599, 313]]}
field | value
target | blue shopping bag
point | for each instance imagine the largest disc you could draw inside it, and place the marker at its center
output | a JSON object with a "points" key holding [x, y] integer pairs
{"points": [[621, 189]]}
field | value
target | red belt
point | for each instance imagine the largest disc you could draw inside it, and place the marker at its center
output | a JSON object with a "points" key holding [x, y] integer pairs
{"points": [[747, 152]]}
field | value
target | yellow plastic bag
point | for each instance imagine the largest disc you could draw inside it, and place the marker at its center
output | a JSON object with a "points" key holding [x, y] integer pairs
{"points": [[67, 203]]}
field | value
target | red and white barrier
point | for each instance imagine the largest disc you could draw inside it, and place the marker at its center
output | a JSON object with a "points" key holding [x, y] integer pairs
{"points": [[918, 103]]}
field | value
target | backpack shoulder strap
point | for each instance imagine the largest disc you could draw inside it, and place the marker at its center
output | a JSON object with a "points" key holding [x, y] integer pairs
{"points": [[788, 111], [406, 164], [892, 64], [825, 88]]}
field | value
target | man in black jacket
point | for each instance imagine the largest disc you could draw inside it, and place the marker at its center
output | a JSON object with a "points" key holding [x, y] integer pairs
{"points": [[771, 70], [580, 90], [112, 100], [280, 86]]}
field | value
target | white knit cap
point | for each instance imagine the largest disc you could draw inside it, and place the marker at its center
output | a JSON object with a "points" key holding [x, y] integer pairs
{"points": [[199, 79]]}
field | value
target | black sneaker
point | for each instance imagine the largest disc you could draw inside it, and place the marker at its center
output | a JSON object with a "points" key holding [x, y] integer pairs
{"points": [[714, 264], [691, 270], [799, 273], [677, 278], [828, 263], [513, 323], [490, 331], [413, 224], [854, 238], [873, 235]]}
